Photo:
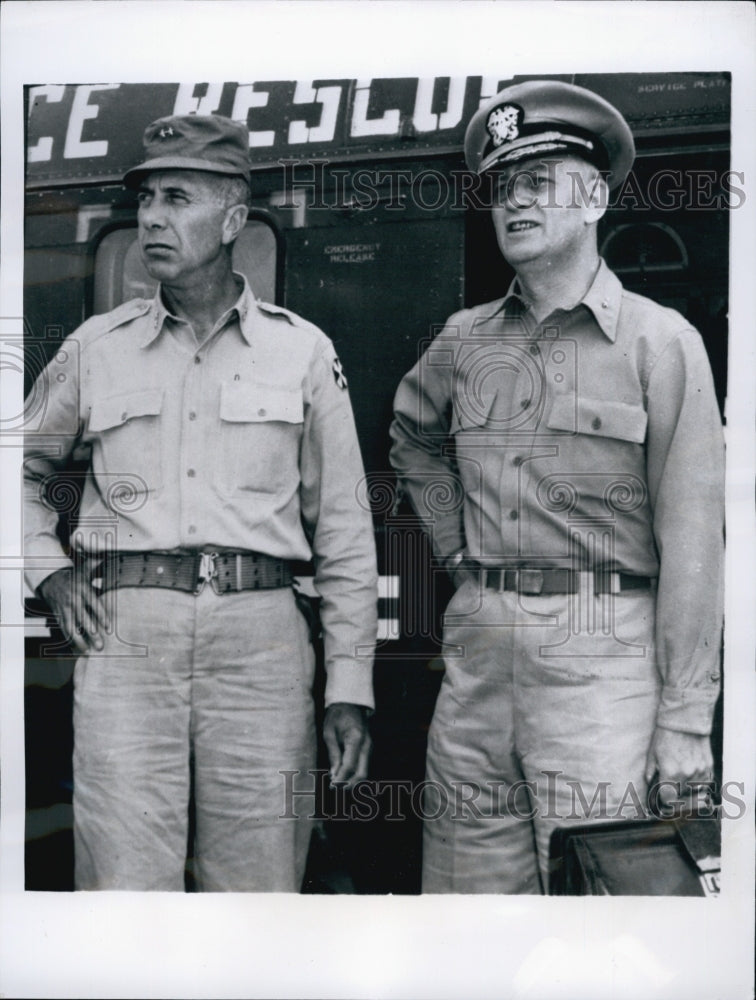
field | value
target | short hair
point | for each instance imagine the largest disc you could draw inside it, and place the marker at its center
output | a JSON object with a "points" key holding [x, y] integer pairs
{"points": [[231, 191], [225, 190]]}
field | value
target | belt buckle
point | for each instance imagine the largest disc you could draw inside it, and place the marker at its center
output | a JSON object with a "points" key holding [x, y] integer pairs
{"points": [[529, 581], [206, 572]]}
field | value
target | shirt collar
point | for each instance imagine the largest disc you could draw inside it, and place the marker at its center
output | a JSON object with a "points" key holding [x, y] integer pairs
{"points": [[514, 304], [158, 313], [603, 299]]}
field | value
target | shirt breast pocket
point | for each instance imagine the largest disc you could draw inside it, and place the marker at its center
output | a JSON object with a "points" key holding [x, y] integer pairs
{"points": [[472, 413], [473, 426], [126, 441], [260, 433], [602, 418], [598, 470]]}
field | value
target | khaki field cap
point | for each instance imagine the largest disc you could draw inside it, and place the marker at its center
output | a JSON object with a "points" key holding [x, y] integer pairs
{"points": [[193, 142], [544, 118]]}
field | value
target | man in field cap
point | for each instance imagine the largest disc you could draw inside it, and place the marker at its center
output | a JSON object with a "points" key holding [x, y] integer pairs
{"points": [[210, 143], [578, 424], [223, 452]]}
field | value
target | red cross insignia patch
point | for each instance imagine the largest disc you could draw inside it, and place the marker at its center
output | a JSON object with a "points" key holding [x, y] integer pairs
{"points": [[338, 374]]}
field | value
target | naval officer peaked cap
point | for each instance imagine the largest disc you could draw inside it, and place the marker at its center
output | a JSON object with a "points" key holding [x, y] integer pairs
{"points": [[193, 142], [545, 118]]}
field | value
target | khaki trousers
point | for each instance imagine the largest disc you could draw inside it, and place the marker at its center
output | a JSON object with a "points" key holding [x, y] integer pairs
{"points": [[544, 718], [218, 687]]}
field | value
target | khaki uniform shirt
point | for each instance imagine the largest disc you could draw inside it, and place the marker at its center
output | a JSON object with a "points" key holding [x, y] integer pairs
{"points": [[246, 441], [592, 439]]}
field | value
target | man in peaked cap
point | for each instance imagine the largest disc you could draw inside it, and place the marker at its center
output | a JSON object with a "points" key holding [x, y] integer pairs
{"points": [[578, 424], [223, 450]]}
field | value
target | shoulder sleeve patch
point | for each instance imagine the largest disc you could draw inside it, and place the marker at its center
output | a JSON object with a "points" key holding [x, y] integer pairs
{"points": [[338, 374]]}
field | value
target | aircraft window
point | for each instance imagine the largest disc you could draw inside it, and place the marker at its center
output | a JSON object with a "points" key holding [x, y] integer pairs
{"points": [[119, 273], [293, 203], [644, 248]]}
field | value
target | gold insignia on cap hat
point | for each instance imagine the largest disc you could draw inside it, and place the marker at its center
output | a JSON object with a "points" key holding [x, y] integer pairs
{"points": [[548, 118], [504, 123]]}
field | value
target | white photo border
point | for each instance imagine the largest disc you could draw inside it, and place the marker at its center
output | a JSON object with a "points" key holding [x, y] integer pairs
{"points": [[159, 945]]}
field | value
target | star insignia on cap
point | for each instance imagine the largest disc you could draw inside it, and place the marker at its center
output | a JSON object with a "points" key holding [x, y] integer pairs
{"points": [[165, 131], [504, 123], [338, 374]]}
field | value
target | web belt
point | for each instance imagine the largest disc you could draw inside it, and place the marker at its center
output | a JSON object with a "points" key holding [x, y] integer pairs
{"points": [[191, 569]]}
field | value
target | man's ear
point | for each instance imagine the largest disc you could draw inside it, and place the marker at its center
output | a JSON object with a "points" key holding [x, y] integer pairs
{"points": [[598, 200], [234, 221]]}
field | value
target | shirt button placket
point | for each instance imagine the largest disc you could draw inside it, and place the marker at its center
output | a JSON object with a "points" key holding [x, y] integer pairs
{"points": [[528, 404], [191, 459]]}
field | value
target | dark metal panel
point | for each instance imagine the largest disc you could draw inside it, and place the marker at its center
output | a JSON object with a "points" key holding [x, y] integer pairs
{"points": [[92, 132]]}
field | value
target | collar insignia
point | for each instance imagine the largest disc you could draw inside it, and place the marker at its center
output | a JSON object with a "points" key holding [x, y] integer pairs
{"points": [[504, 123]]}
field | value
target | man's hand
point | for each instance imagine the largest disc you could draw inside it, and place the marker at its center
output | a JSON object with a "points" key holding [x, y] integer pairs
{"points": [[459, 569], [78, 607], [680, 762], [346, 736]]}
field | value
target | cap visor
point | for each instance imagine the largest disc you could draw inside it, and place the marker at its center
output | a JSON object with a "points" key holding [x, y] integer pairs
{"points": [[133, 178], [545, 144]]}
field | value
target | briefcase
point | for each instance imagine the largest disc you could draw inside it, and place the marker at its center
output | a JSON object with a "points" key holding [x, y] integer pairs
{"points": [[649, 857]]}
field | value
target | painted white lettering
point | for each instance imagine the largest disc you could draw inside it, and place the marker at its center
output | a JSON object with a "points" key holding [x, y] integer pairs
{"points": [[424, 119], [351, 258], [387, 124], [329, 97], [345, 248], [188, 104], [705, 84], [247, 97], [52, 92], [83, 111]]}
